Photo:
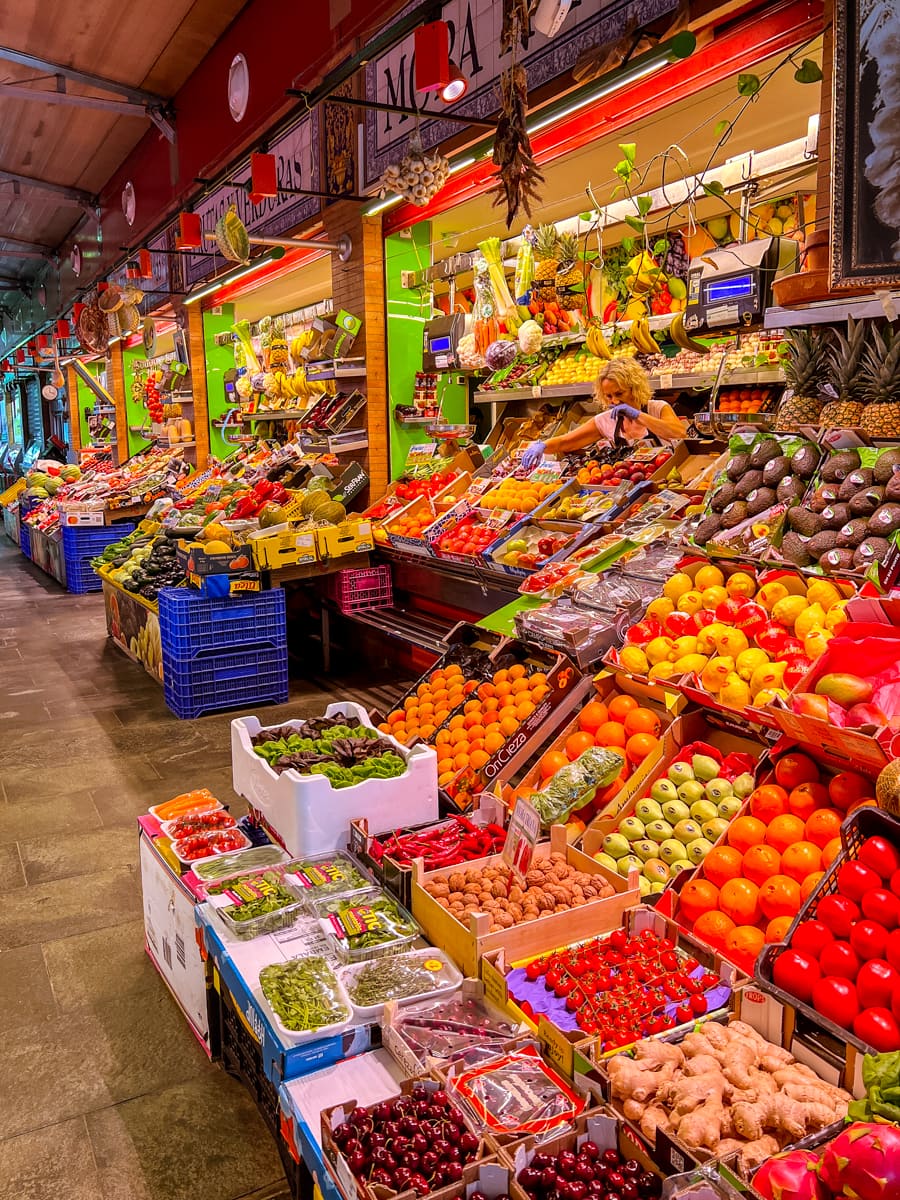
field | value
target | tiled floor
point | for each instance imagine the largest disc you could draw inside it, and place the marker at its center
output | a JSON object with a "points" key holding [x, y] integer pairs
{"points": [[104, 1094]]}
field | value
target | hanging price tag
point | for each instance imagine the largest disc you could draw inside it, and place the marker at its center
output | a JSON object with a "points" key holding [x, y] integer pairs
{"points": [[521, 837]]}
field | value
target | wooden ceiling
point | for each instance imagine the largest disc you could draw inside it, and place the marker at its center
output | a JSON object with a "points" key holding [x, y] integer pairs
{"points": [[150, 46]]}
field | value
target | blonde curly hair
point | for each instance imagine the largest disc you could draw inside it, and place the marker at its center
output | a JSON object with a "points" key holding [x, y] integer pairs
{"points": [[628, 374]]}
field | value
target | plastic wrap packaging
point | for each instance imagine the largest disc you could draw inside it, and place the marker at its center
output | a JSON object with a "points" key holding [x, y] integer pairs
{"points": [[226, 865], [366, 925], [516, 1094], [329, 875], [304, 994], [463, 1030], [256, 902], [573, 786]]}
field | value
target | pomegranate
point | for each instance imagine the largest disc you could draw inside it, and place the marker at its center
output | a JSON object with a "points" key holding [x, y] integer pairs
{"points": [[864, 1161], [792, 1175]]}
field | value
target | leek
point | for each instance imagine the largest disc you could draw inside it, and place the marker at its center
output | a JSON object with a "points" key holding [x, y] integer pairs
{"points": [[491, 249]]}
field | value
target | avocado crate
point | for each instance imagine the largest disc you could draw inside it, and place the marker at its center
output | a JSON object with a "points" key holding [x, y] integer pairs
{"points": [[359, 588], [192, 626], [195, 687], [80, 544]]}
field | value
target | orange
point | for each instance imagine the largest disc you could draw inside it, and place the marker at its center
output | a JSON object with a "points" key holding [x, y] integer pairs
{"points": [[744, 832], [640, 745], [776, 930], [492, 741], [508, 726], [822, 826], [809, 883], [806, 798], [768, 802], [642, 720], [517, 672], [524, 709], [713, 928], [621, 706], [743, 945], [697, 897], [519, 686], [830, 851], [577, 743], [760, 862], [783, 831], [501, 676], [866, 803], [611, 733], [739, 899], [846, 787], [800, 860], [779, 896], [552, 762], [477, 759], [593, 715], [721, 864]]}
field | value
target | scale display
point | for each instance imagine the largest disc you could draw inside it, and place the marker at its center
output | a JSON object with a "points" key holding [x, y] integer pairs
{"points": [[439, 345], [729, 289]]}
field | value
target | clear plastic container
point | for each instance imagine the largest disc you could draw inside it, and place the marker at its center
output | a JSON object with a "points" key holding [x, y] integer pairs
{"points": [[464, 1029], [368, 925], [407, 978], [223, 866], [213, 839], [327, 875], [214, 821], [305, 999], [251, 893]]}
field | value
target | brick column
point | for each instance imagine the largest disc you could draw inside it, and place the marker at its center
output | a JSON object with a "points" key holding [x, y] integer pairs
{"points": [[197, 355], [117, 387]]}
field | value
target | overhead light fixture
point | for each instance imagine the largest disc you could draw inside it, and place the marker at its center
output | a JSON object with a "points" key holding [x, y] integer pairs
{"points": [[273, 255], [456, 87]]}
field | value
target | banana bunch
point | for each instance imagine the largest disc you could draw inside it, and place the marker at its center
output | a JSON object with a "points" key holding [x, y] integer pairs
{"points": [[300, 343], [512, 320], [681, 338], [596, 342], [642, 338], [643, 274]]}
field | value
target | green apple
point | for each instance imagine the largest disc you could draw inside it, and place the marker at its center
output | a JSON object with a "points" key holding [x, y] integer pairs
{"points": [[690, 792], [729, 807], [605, 860], [644, 885], [649, 810], [698, 849], [632, 828], [687, 831], [703, 810], [713, 830], [517, 544], [672, 851], [629, 863], [675, 810], [718, 790], [645, 849], [705, 767], [617, 845], [656, 871], [658, 831], [679, 773], [744, 785], [663, 790]]}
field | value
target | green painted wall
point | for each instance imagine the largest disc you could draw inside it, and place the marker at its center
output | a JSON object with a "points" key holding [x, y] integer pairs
{"points": [[134, 407], [219, 359], [407, 313], [87, 399]]}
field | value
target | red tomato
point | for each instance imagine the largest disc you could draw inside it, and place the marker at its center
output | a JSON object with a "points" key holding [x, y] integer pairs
{"points": [[868, 939], [839, 958], [895, 883], [796, 973], [883, 907], [836, 999], [811, 937], [854, 880], [892, 949], [793, 769], [838, 913], [877, 1027], [876, 983], [879, 856]]}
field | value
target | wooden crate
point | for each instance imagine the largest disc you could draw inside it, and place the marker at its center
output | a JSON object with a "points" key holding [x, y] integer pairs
{"points": [[467, 944]]}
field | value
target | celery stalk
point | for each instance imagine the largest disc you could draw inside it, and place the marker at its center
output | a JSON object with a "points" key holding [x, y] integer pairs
{"points": [[491, 249]]}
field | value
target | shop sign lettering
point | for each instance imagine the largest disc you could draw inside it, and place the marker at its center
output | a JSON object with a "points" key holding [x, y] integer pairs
{"points": [[475, 47], [297, 153]]}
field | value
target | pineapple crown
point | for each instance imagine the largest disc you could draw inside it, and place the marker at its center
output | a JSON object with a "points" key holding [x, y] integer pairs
{"points": [[845, 358], [567, 247], [546, 242], [807, 360], [881, 367]]}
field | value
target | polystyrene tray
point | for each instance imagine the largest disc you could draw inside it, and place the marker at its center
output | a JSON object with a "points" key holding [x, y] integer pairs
{"points": [[189, 862], [447, 976]]}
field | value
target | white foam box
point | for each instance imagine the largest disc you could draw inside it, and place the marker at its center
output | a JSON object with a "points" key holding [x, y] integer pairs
{"points": [[307, 815]]}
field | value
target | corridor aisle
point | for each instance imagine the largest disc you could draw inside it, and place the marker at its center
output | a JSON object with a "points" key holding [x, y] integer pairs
{"points": [[104, 1093]]}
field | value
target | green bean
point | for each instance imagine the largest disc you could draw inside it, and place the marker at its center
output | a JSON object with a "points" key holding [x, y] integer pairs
{"points": [[226, 865], [303, 993], [390, 979]]}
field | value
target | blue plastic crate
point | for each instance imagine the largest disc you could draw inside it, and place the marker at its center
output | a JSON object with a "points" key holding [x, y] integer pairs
{"points": [[196, 686], [191, 626], [81, 543], [25, 540]]}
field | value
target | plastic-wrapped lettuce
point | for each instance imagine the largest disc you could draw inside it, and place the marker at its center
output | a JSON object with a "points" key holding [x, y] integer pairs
{"points": [[573, 786]]}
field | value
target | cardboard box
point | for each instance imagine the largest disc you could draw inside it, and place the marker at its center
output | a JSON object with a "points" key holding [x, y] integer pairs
{"points": [[194, 560], [467, 944], [437, 507], [282, 546], [350, 537]]}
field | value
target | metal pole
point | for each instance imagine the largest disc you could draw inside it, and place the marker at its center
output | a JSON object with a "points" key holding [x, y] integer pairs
{"points": [[377, 106], [343, 247]]}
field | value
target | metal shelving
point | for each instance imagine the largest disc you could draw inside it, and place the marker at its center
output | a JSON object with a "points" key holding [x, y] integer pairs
{"points": [[833, 310], [689, 381]]}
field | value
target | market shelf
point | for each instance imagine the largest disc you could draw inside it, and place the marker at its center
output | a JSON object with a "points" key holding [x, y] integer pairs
{"points": [[415, 628], [825, 312], [278, 414], [661, 381]]}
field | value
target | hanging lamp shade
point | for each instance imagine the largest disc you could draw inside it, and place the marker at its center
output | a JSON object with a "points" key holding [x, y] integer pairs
{"points": [[145, 262], [432, 54], [190, 232], [263, 178]]}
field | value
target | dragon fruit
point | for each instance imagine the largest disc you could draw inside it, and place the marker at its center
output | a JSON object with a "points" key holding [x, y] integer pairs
{"points": [[792, 1175], [863, 1162]]}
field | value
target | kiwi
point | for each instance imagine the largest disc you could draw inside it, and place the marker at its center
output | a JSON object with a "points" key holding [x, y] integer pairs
{"points": [[804, 461], [885, 520], [734, 514], [793, 548], [839, 466], [887, 465], [865, 501], [748, 483], [836, 515], [764, 452], [892, 488], [821, 542], [802, 521], [737, 466], [855, 482], [707, 530], [837, 560], [825, 494], [853, 532], [791, 488], [760, 500], [722, 496], [872, 550], [775, 470]]}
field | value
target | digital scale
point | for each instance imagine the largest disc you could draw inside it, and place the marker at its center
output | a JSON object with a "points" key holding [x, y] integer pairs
{"points": [[441, 341], [732, 287]]}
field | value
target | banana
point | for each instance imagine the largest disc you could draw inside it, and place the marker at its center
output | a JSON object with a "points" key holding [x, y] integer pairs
{"points": [[681, 338], [640, 335], [597, 343]]}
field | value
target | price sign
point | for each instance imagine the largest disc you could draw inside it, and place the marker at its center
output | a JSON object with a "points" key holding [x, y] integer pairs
{"points": [[521, 837]]}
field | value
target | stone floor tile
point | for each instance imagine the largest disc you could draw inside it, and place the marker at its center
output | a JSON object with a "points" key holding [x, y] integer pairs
{"points": [[46, 911], [99, 966], [12, 873], [26, 993], [68, 813], [54, 1163], [62, 855], [27, 784]]}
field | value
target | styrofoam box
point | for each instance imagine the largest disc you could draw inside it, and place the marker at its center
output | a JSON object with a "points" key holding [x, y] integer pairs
{"points": [[307, 814]]}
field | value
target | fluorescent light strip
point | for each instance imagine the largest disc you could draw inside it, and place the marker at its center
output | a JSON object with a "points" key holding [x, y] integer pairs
{"points": [[648, 69], [226, 280], [382, 205]]}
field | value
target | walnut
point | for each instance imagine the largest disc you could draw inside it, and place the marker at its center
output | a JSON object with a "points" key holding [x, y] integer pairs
{"points": [[499, 889], [443, 902], [437, 879], [457, 897], [440, 889], [516, 911], [457, 881], [505, 920], [516, 893]]}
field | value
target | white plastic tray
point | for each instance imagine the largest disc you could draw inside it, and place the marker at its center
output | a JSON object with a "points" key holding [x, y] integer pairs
{"points": [[449, 976], [297, 1037], [189, 862]]}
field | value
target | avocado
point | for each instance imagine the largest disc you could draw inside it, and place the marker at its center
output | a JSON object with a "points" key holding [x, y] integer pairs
{"points": [[734, 514], [775, 470], [764, 452], [887, 466], [836, 515], [802, 521], [839, 466], [837, 560], [825, 494], [804, 461], [853, 532], [855, 482], [722, 496], [885, 520], [794, 549], [737, 466], [872, 550], [892, 488], [748, 483], [758, 501], [707, 530], [822, 542], [791, 488], [864, 502]]}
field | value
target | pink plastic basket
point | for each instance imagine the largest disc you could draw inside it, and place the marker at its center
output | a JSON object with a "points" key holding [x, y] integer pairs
{"points": [[358, 588]]}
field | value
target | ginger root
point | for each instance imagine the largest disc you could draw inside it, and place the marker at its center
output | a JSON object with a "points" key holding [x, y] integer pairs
{"points": [[629, 1081], [702, 1128]]}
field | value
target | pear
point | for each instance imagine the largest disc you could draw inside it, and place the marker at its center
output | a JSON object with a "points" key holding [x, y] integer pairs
{"points": [[645, 849], [679, 773], [656, 871], [689, 793], [616, 845], [698, 849], [705, 767], [676, 810], [632, 828], [744, 785], [657, 831], [730, 807], [713, 830], [656, 888], [629, 863], [687, 831], [704, 810], [644, 885], [679, 865], [663, 790], [672, 851], [718, 789], [648, 810], [606, 860]]}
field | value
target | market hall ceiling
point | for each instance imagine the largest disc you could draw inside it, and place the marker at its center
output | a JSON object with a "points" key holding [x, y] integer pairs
{"points": [[150, 48]]}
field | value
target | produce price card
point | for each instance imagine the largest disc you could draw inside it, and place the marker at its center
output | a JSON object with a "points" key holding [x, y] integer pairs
{"points": [[521, 837]]}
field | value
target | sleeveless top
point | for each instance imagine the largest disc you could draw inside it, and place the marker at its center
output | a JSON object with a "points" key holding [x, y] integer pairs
{"points": [[610, 429]]}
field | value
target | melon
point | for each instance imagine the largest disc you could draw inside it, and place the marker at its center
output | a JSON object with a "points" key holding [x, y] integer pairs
{"points": [[271, 514], [216, 547], [332, 512], [312, 502], [52, 486], [318, 483], [887, 788]]}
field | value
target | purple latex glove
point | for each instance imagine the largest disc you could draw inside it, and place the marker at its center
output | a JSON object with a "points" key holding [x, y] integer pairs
{"points": [[533, 455]]}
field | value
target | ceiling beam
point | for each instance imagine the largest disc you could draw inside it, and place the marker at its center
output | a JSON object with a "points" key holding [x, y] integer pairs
{"points": [[134, 94], [24, 245], [4, 253], [76, 195], [21, 91]]}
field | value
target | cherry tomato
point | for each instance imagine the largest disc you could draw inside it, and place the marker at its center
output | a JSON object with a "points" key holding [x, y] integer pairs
{"points": [[811, 937], [838, 913], [876, 983], [868, 939], [837, 1000], [796, 973], [839, 958], [892, 949], [878, 1028]]}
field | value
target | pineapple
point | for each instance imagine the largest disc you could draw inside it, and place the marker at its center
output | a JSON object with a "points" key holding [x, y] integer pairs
{"points": [[569, 273], [845, 359], [546, 253], [804, 371], [881, 385]]}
